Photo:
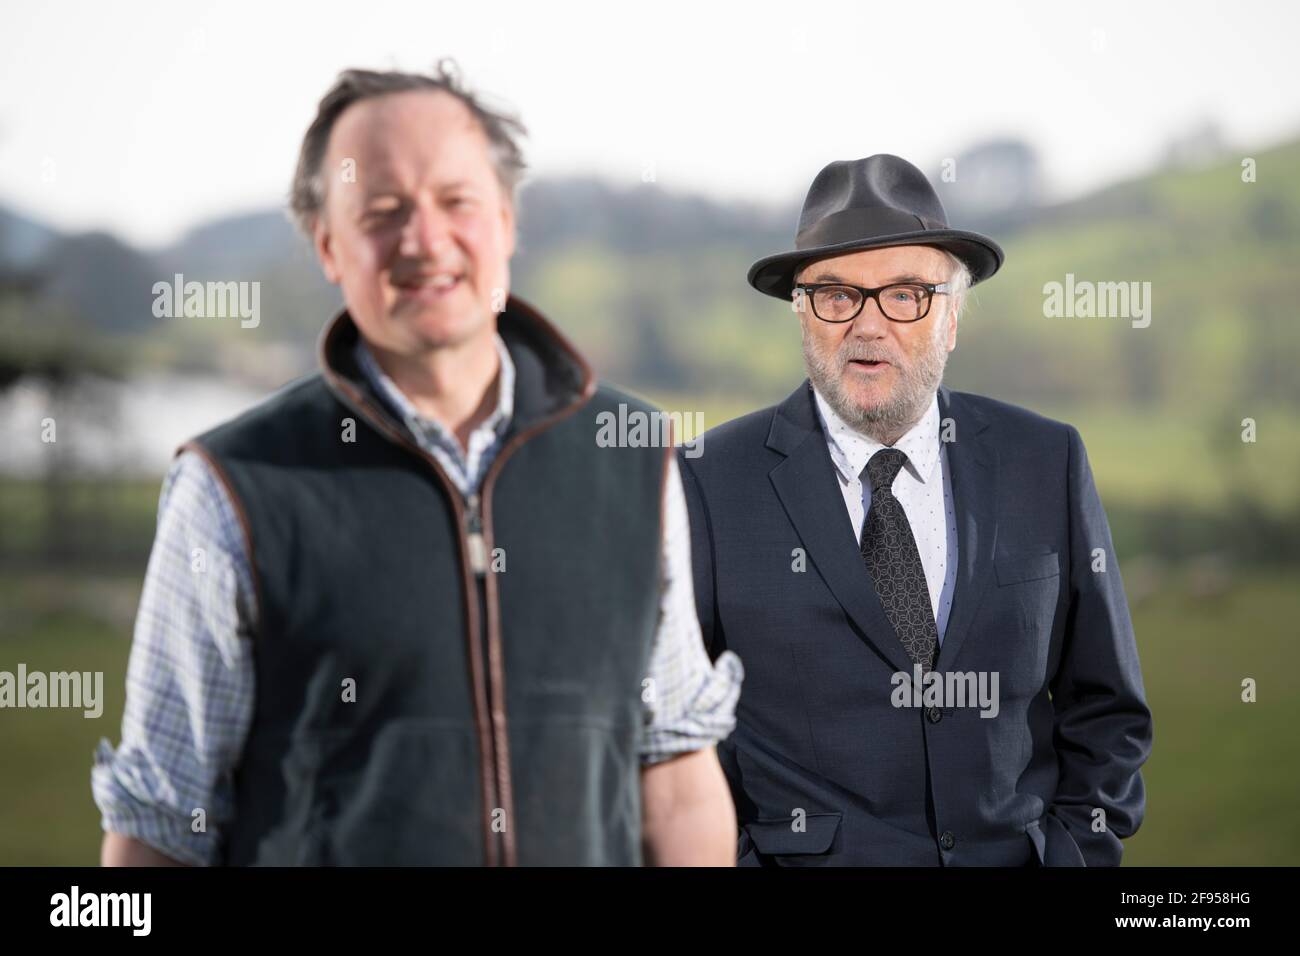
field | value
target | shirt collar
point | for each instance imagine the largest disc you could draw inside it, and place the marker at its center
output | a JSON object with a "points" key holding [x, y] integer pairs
{"points": [[851, 450], [402, 407]]}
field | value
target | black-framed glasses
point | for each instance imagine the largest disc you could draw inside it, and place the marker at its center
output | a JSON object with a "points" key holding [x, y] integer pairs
{"points": [[898, 302]]}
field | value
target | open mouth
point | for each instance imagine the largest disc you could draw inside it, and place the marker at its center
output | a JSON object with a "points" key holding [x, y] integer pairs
{"points": [[868, 365]]}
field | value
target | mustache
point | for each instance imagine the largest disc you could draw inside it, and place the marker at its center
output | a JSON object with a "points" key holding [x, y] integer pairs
{"points": [[851, 351]]}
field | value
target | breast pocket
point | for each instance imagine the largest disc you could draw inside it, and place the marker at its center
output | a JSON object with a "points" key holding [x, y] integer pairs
{"points": [[1024, 607], [1018, 568]]}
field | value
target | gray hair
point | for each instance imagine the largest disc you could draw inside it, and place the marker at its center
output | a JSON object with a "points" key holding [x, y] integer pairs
{"points": [[959, 281], [503, 130]]}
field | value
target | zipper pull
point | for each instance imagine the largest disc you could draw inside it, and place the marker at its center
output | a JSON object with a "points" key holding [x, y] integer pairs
{"points": [[474, 531]]}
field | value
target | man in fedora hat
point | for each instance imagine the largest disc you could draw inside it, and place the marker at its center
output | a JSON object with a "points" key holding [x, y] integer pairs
{"points": [[940, 665]]}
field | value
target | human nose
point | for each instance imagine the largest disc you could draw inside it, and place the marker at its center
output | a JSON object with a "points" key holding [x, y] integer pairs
{"points": [[425, 231], [870, 322]]}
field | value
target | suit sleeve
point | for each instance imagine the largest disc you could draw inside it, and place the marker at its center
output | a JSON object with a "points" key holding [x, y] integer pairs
{"points": [[1103, 728], [701, 557]]}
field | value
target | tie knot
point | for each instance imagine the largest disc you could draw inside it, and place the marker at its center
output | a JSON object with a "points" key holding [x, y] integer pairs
{"points": [[883, 468]]}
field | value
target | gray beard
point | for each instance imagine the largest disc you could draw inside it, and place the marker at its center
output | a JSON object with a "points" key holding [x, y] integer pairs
{"points": [[889, 420]]}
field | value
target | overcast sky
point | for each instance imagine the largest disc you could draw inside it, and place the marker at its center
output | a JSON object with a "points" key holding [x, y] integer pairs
{"points": [[147, 118]]}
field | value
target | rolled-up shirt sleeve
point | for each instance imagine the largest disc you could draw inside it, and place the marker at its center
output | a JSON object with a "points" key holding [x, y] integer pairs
{"points": [[688, 703], [190, 679]]}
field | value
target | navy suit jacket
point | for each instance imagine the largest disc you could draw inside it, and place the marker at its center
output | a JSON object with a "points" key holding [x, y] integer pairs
{"points": [[823, 767]]}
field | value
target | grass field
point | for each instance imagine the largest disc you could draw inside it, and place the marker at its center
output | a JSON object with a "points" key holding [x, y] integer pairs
{"points": [[1224, 775], [1221, 784], [47, 816]]}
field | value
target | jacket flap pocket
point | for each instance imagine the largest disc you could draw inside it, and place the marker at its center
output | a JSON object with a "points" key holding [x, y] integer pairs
{"points": [[1014, 568], [779, 836]]}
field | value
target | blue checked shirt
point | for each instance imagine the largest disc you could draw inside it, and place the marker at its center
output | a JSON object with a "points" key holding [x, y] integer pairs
{"points": [[190, 680]]}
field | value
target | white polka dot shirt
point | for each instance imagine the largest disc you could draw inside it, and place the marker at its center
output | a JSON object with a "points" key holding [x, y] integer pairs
{"points": [[923, 487]]}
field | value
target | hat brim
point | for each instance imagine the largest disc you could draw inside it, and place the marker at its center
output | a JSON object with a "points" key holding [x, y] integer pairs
{"points": [[774, 275]]}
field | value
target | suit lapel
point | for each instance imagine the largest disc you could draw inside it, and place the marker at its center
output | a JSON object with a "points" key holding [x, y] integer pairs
{"points": [[805, 483], [972, 462]]}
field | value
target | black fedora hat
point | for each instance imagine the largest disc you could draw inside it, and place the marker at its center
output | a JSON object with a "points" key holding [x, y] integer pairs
{"points": [[864, 204]]}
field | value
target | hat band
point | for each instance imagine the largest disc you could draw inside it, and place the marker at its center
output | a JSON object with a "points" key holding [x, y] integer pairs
{"points": [[850, 225]]}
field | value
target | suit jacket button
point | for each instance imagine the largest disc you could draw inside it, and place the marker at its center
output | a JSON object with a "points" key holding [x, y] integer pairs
{"points": [[947, 840], [935, 715]]}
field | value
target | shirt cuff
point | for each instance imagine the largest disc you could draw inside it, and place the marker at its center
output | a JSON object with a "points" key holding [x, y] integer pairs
{"points": [[710, 716], [131, 807]]}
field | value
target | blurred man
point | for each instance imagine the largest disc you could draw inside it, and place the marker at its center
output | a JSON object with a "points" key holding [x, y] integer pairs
{"points": [[407, 611], [940, 666]]}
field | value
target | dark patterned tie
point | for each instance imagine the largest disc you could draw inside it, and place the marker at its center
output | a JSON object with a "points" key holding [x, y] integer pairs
{"points": [[889, 551]]}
